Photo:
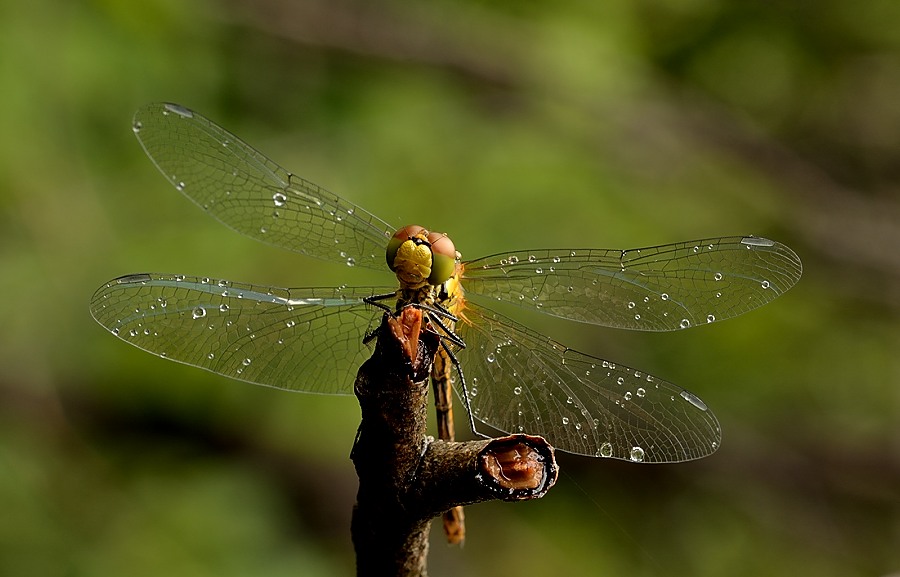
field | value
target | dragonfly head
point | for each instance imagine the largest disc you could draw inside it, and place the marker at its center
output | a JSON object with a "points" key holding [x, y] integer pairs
{"points": [[419, 257]]}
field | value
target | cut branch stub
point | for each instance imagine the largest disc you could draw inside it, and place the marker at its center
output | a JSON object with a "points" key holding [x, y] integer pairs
{"points": [[518, 467], [513, 468]]}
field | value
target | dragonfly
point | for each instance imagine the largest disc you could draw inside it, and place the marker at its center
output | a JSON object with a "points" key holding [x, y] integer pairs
{"points": [[511, 378]]}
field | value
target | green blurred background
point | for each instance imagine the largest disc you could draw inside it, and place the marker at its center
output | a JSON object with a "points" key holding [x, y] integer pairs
{"points": [[510, 125]]}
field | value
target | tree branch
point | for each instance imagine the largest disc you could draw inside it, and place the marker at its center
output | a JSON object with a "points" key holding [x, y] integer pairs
{"points": [[407, 478]]}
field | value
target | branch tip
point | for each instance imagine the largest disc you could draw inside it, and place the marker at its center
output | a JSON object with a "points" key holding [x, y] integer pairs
{"points": [[518, 467]]}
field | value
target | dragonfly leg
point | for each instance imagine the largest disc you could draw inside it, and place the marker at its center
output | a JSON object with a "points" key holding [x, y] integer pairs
{"points": [[447, 331], [374, 301], [462, 383]]}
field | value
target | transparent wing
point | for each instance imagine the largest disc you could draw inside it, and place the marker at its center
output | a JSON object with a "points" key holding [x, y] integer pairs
{"points": [[297, 339], [661, 288], [251, 194], [521, 381]]}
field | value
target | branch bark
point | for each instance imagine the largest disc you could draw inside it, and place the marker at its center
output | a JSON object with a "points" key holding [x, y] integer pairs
{"points": [[407, 478]]}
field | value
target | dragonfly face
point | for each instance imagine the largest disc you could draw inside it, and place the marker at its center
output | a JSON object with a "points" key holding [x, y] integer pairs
{"points": [[419, 257], [309, 339]]}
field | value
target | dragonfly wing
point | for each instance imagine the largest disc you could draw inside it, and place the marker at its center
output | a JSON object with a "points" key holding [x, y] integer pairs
{"points": [[659, 288], [246, 191], [297, 339], [522, 382]]}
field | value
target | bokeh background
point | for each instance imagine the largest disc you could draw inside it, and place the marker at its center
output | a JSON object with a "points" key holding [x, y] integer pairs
{"points": [[511, 125]]}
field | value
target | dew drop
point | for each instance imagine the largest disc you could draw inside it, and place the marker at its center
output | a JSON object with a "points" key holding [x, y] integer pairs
{"points": [[765, 284], [636, 454], [628, 396], [245, 362], [517, 390], [756, 241], [710, 318], [279, 198], [491, 358], [630, 305], [177, 109], [641, 392], [351, 261], [606, 450], [694, 400], [717, 276], [198, 313], [664, 296], [137, 126], [685, 323], [565, 420]]}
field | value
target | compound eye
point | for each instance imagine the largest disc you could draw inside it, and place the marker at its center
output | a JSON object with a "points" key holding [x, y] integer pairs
{"points": [[443, 258]]}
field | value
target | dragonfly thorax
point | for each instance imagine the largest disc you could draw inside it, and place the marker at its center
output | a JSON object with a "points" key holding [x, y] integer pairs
{"points": [[420, 258]]}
